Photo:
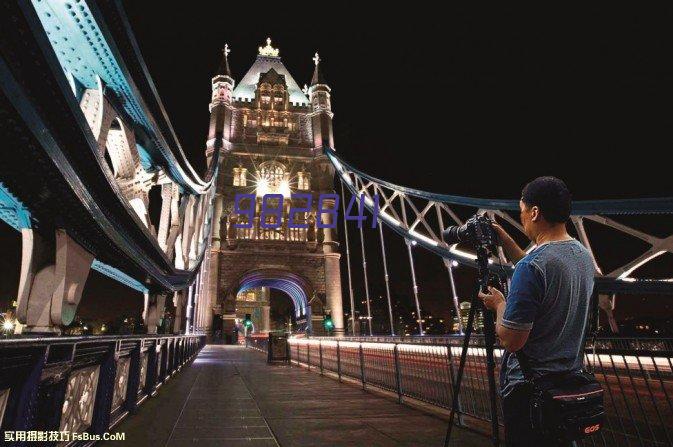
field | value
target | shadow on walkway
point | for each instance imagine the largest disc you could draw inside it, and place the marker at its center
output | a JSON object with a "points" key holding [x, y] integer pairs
{"points": [[229, 396]]}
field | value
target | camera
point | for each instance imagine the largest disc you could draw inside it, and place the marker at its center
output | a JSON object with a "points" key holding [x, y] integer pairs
{"points": [[477, 230]]}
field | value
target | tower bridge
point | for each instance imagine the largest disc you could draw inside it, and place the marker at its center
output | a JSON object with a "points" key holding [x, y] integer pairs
{"points": [[93, 177]]}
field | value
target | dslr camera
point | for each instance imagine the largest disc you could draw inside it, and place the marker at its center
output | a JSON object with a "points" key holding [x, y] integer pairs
{"points": [[477, 230]]}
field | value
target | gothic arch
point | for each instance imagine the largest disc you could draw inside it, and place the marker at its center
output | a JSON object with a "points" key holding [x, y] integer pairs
{"points": [[298, 288]]}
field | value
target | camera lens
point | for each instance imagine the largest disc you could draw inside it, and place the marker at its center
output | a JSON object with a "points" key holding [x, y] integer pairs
{"points": [[455, 234]]}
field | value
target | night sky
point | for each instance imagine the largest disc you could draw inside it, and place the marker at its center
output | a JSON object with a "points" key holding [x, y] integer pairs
{"points": [[466, 102]]}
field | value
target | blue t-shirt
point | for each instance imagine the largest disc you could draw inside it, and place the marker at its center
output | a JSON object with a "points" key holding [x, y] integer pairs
{"points": [[549, 296]]}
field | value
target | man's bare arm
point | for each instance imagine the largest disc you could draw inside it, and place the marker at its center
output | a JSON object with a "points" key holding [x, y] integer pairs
{"points": [[512, 250]]}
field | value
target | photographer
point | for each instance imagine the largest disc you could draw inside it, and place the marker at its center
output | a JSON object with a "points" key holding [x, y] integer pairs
{"points": [[545, 313]]}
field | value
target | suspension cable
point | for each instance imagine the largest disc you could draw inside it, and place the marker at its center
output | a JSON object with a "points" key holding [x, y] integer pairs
{"points": [[348, 260], [454, 295], [385, 275], [413, 279], [364, 270]]}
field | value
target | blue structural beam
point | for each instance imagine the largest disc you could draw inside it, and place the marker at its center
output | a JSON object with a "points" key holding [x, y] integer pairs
{"points": [[119, 276], [12, 210], [85, 53], [17, 216]]}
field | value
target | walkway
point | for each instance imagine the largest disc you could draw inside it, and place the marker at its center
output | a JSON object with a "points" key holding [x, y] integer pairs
{"points": [[229, 396]]}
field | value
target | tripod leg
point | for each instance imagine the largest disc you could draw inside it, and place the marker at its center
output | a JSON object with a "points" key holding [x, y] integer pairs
{"points": [[489, 333], [461, 368]]}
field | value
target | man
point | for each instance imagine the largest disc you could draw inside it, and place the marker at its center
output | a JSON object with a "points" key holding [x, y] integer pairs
{"points": [[545, 314]]}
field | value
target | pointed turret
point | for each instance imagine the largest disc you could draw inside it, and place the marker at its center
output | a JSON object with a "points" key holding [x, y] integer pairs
{"points": [[220, 106], [320, 96], [224, 65], [318, 77]]}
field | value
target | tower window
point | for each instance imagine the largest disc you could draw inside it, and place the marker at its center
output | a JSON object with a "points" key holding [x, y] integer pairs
{"points": [[240, 177], [303, 180], [272, 178]]}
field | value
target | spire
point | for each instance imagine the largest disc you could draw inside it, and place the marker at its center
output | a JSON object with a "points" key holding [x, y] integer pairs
{"points": [[318, 78], [268, 50], [224, 65]]}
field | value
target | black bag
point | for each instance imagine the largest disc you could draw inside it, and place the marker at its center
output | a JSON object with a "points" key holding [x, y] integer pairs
{"points": [[566, 406]]}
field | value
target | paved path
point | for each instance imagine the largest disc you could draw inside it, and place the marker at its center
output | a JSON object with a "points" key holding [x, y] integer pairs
{"points": [[229, 396]]}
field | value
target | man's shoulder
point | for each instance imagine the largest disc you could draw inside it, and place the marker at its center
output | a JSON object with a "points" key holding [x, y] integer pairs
{"points": [[562, 252]]}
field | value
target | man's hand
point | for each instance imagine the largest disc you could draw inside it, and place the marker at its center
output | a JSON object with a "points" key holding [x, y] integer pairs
{"points": [[511, 248], [492, 299], [510, 339]]}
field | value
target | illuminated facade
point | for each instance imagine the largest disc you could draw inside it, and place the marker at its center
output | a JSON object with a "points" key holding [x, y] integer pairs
{"points": [[273, 133]]}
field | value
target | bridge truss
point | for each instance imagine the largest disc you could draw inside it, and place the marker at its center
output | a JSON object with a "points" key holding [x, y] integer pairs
{"points": [[420, 217], [92, 152]]}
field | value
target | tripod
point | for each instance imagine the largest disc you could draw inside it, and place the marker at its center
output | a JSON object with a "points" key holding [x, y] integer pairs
{"points": [[489, 335]]}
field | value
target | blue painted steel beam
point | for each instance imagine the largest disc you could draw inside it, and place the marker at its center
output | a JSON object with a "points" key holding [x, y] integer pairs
{"points": [[16, 215], [85, 51], [12, 211]]}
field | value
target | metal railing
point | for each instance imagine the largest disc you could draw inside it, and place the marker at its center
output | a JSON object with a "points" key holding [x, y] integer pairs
{"points": [[259, 343], [83, 384], [637, 375]]}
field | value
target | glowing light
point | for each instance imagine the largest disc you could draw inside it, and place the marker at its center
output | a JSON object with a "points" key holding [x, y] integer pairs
{"points": [[262, 187], [454, 263], [462, 254], [337, 164], [268, 50], [284, 188], [389, 218], [420, 237], [8, 325], [639, 264]]}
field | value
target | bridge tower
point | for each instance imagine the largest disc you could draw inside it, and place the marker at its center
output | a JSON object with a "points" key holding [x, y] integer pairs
{"points": [[273, 134]]}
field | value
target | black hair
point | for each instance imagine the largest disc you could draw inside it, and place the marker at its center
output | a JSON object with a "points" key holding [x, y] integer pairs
{"points": [[551, 196]]}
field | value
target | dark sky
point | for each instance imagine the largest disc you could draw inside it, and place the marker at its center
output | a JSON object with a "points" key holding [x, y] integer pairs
{"points": [[460, 101]]}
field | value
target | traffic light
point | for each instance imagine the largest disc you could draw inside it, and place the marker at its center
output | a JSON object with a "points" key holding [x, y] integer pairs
{"points": [[327, 322], [247, 322]]}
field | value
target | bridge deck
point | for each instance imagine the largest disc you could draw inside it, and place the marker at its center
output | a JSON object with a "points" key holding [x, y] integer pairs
{"points": [[229, 396]]}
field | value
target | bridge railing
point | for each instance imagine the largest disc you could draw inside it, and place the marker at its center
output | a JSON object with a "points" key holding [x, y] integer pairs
{"points": [[637, 375], [83, 384], [259, 343]]}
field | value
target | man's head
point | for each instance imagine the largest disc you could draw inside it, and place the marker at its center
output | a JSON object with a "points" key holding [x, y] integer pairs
{"points": [[545, 204]]}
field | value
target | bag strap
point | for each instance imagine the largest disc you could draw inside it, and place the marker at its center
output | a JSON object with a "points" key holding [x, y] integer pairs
{"points": [[524, 362], [592, 327]]}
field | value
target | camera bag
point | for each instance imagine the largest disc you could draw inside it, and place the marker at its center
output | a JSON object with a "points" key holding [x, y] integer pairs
{"points": [[566, 406]]}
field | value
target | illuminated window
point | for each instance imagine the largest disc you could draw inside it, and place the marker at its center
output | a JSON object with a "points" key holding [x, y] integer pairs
{"points": [[272, 178], [303, 180], [245, 120], [240, 177], [265, 99]]}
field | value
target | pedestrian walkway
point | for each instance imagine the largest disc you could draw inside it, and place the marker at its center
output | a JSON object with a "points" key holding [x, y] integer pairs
{"points": [[230, 396]]}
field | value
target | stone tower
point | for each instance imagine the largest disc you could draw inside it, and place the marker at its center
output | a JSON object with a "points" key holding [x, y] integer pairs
{"points": [[273, 136]]}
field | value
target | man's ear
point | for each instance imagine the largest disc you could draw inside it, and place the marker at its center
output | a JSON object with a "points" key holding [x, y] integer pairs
{"points": [[535, 214]]}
